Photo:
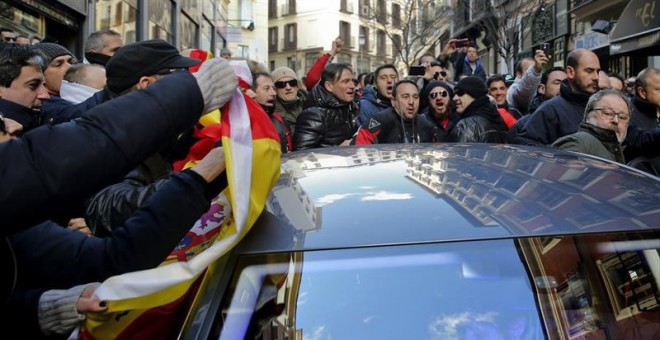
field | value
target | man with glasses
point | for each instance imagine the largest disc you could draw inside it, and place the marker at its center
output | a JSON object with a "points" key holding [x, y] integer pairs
{"points": [[399, 123], [290, 97], [603, 129], [8, 35], [440, 110]]}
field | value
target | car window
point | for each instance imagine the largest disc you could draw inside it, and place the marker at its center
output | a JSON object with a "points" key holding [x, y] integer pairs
{"points": [[534, 288]]}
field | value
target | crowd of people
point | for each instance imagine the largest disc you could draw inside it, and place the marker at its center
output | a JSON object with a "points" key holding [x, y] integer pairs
{"points": [[88, 146]]}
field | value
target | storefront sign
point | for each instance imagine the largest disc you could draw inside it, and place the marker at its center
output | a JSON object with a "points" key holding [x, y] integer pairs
{"points": [[592, 41], [637, 27]]}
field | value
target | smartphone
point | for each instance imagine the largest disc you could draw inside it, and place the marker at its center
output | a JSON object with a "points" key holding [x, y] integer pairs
{"points": [[416, 70], [462, 43], [546, 49]]}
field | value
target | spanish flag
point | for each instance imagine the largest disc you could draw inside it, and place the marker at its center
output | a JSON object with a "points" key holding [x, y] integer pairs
{"points": [[151, 304]]}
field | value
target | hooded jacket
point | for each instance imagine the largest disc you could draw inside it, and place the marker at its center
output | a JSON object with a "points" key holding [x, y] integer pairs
{"points": [[370, 104], [479, 123], [327, 121], [556, 117]]}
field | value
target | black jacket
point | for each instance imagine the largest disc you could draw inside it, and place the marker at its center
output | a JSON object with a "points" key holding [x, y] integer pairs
{"points": [[327, 121], [556, 117], [479, 123], [388, 126], [23, 115], [51, 166], [49, 256], [644, 115], [58, 110]]}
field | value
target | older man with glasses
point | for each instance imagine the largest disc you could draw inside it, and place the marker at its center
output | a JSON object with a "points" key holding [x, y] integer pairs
{"points": [[603, 129], [290, 97]]}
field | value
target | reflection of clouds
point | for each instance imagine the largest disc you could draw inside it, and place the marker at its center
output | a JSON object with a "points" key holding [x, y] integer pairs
{"points": [[302, 298], [447, 327], [386, 196], [365, 196], [368, 319], [316, 334], [366, 187], [329, 199]]}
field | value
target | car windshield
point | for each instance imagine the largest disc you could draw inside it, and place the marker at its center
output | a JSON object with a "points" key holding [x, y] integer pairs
{"points": [[530, 288]]}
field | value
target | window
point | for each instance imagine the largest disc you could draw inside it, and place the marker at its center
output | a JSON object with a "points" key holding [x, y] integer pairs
{"points": [[396, 15], [289, 7], [272, 39], [345, 33], [160, 20], [396, 44], [272, 9], [346, 6], [290, 37], [188, 32], [381, 11], [123, 14], [365, 8], [382, 43], [310, 59], [364, 32]]}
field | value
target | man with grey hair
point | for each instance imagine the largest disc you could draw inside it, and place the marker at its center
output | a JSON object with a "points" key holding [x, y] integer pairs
{"points": [[101, 45], [603, 128]]}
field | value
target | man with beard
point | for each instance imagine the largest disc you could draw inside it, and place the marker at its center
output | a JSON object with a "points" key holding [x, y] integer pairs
{"points": [[439, 110], [399, 123], [290, 97], [264, 90], [562, 115], [479, 120], [378, 97], [548, 88]]}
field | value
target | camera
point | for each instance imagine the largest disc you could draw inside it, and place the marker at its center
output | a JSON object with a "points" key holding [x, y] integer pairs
{"points": [[462, 43], [416, 70]]}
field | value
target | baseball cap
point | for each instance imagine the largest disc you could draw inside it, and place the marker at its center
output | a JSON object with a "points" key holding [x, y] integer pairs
{"points": [[143, 58]]}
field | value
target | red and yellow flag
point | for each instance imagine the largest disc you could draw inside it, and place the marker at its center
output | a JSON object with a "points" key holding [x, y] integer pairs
{"points": [[151, 303]]}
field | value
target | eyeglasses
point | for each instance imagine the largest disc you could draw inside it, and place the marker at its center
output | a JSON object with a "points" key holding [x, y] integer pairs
{"points": [[609, 114], [282, 84], [442, 93], [8, 39], [458, 92]]}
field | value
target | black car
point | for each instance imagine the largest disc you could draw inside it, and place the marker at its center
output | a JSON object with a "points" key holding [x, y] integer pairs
{"points": [[455, 241]]}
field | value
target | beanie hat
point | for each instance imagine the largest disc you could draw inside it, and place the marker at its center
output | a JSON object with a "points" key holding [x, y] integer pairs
{"points": [[435, 83], [282, 72], [143, 58], [473, 86], [52, 51]]}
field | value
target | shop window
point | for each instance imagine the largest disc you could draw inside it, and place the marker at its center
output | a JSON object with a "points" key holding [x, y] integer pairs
{"points": [[160, 20]]}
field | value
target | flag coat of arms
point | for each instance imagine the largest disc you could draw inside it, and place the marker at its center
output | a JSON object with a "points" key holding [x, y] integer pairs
{"points": [[150, 303]]}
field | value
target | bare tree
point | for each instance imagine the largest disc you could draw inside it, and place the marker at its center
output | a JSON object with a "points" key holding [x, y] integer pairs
{"points": [[505, 24], [413, 31]]}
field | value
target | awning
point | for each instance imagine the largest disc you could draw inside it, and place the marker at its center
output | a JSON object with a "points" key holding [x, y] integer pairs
{"points": [[638, 27]]}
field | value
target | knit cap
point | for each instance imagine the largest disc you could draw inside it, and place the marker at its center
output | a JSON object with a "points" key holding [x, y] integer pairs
{"points": [[473, 86], [283, 72], [52, 51]]}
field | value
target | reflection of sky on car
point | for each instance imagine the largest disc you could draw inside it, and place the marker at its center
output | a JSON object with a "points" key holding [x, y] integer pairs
{"points": [[474, 290], [385, 199]]}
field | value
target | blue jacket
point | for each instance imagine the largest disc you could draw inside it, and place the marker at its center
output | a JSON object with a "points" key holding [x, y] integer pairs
{"points": [[370, 104]]}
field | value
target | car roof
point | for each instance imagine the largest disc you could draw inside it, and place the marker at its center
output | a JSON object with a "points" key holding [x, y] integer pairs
{"points": [[417, 193]]}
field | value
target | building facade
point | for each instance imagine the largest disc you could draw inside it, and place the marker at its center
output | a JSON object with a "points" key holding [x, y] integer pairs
{"points": [[184, 23]]}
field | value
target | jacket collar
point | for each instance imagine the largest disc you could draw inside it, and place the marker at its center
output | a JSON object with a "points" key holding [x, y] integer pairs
{"points": [[644, 106], [28, 117], [571, 96]]}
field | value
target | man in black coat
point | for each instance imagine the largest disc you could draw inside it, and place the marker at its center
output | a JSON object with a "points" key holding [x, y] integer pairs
{"points": [[479, 120], [399, 123], [329, 119]]}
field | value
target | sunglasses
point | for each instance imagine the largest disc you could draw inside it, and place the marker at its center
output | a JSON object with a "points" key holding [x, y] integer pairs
{"points": [[458, 92], [442, 93], [437, 74], [8, 39], [282, 84]]}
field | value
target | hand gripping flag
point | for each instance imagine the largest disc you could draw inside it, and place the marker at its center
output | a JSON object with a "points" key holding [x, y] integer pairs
{"points": [[148, 304]]}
